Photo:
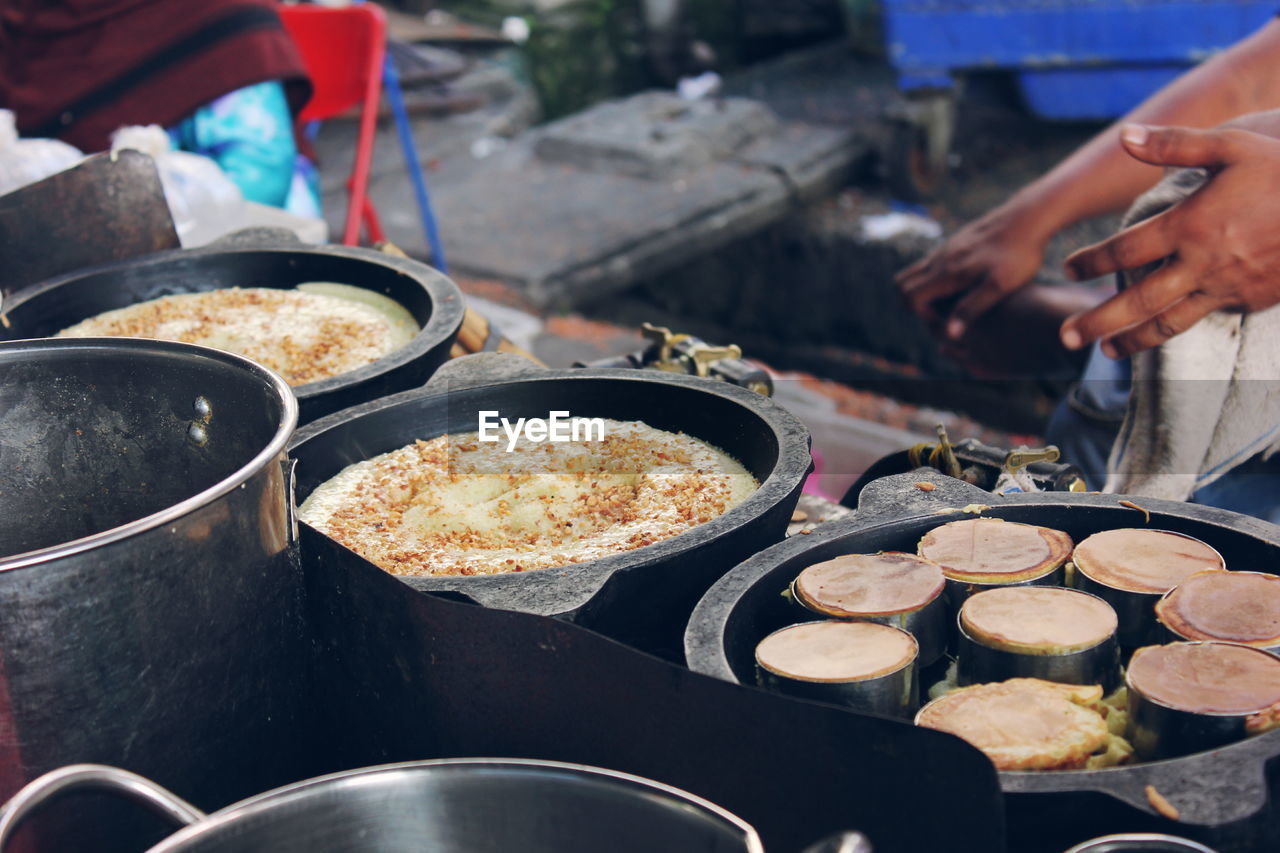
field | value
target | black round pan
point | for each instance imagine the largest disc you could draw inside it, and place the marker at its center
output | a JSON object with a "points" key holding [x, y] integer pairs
{"points": [[50, 306], [642, 596], [1222, 796]]}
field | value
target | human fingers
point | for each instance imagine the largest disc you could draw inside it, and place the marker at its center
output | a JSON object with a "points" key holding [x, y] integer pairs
{"points": [[1185, 146], [915, 269], [971, 306], [1138, 245], [1174, 320], [1135, 304], [928, 286]]}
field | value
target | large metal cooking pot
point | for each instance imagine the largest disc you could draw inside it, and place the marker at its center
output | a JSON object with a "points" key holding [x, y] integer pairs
{"points": [[434, 301], [449, 806], [150, 600], [643, 596], [1222, 795]]}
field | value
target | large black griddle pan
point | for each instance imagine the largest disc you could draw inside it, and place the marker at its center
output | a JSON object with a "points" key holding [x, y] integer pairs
{"points": [[410, 676], [1224, 795], [262, 258], [642, 597]]}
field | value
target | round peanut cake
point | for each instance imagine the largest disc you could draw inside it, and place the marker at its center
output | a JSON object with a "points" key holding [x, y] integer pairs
{"points": [[456, 505], [317, 331]]}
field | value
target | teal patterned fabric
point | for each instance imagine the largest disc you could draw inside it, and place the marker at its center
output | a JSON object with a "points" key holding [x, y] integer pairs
{"points": [[249, 133]]}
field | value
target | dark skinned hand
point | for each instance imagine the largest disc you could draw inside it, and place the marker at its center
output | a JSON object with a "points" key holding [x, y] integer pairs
{"points": [[1222, 242], [983, 262]]}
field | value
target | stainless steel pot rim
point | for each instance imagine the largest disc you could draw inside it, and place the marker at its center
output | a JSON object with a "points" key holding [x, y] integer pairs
{"points": [[1154, 595], [1130, 840], [274, 448], [1224, 714], [263, 803]]}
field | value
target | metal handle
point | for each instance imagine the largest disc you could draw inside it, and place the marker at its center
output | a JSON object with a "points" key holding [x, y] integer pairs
{"points": [[1025, 456], [93, 777], [290, 468], [705, 355], [844, 842]]}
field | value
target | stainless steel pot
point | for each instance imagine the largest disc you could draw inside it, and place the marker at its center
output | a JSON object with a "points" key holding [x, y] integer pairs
{"points": [[449, 806], [150, 598]]}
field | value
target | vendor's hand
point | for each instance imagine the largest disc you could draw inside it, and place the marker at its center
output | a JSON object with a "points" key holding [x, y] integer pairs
{"points": [[982, 263], [1018, 337], [1222, 242]]}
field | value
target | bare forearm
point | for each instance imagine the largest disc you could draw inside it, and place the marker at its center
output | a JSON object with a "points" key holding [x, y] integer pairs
{"points": [[1000, 252], [1101, 177]]}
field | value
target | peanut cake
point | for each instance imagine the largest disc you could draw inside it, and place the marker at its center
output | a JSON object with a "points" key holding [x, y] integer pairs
{"points": [[317, 331], [455, 505]]}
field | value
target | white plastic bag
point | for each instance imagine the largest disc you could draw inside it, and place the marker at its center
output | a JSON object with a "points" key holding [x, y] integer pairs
{"points": [[204, 203], [25, 161]]}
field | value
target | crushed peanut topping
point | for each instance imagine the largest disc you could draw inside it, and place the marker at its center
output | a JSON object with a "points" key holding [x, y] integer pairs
{"points": [[303, 335], [464, 507]]}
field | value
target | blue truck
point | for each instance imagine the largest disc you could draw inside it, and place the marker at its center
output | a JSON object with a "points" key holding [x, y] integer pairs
{"points": [[1074, 61]]}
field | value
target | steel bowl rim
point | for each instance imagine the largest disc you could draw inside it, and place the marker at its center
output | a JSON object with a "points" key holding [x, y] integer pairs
{"points": [[265, 802], [1191, 845]]}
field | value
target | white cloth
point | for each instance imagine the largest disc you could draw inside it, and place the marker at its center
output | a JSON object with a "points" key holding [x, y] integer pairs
{"points": [[1204, 401]]}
